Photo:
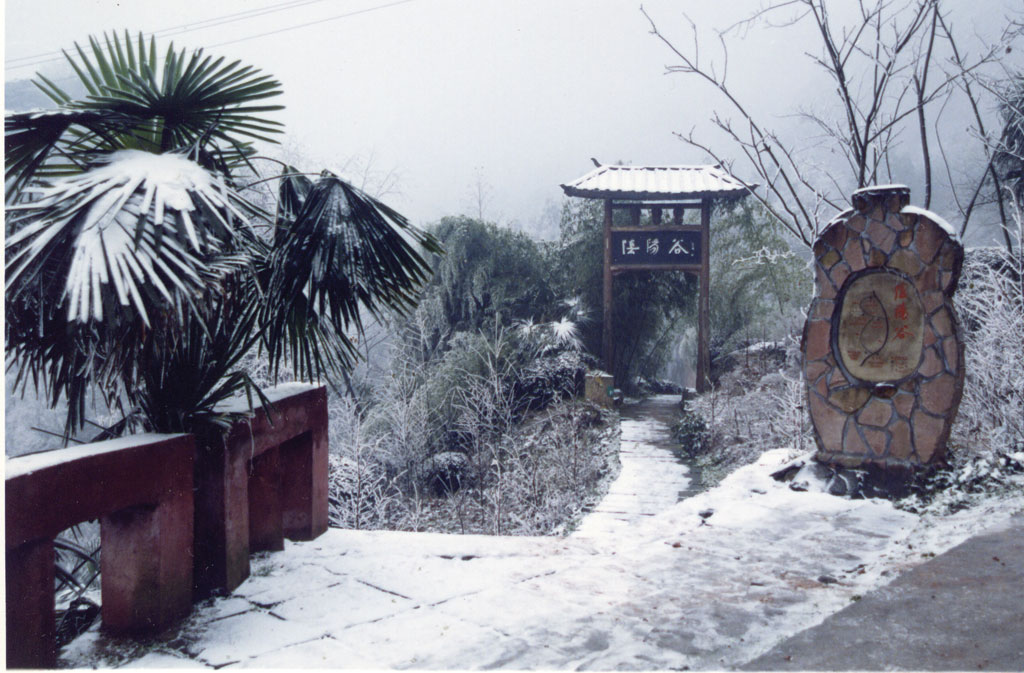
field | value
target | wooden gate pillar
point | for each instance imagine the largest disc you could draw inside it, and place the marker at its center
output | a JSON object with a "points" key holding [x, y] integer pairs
{"points": [[607, 345], [704, 301]]}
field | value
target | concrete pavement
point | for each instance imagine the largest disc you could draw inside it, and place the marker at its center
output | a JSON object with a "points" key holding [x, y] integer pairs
{"points": [[961, 611]]}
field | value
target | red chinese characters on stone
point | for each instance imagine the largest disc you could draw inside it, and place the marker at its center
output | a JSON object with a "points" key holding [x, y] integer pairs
{"points": [[879, 333]]}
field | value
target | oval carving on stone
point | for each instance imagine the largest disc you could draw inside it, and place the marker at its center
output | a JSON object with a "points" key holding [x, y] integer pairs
{"points": [[878, 329]]}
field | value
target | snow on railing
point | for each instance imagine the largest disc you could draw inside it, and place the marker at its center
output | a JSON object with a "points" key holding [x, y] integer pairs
{"points": [[141, 490], [178, 516]]}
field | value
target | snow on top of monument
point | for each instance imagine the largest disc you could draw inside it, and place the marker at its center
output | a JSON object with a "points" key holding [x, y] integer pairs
{"points": [[879, 188], [946, 226], [33, 462]]}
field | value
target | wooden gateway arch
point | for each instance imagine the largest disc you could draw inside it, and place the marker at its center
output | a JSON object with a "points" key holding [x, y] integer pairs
{"points": [[672, 246]]}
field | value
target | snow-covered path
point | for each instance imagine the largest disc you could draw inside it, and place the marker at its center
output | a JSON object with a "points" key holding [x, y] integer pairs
{"points": [[669, 590], [651, 479]]}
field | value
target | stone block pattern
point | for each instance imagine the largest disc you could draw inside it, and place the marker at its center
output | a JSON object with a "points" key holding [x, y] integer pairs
{"points": [[906, 423]]}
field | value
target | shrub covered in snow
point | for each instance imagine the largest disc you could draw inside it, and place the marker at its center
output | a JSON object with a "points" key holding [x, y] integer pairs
{"points": [[534, 478], [990, 303], [438, 445], [965, 480], [756, 405]]}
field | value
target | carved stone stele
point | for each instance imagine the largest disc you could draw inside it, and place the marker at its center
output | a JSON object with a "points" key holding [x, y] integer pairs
{"points": [[882, 353]]}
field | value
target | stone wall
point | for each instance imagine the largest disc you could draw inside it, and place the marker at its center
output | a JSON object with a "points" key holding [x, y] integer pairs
{"points": [[883, 359]]}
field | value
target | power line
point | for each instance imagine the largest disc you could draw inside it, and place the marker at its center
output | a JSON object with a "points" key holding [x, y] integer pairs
{"points": [[176, 30], [52, 57], [314, 23], [217, 21]]}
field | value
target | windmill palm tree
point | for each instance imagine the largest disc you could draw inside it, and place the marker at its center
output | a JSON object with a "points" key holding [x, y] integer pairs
{"points": [[137, 267]]}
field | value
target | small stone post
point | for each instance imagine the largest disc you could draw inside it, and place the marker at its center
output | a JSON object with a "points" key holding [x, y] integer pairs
{"points": [[882, 356], [598, 388]]}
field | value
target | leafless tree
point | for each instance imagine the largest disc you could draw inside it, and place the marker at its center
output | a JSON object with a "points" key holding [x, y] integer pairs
{"points": [[894, 66], [480, 195]]}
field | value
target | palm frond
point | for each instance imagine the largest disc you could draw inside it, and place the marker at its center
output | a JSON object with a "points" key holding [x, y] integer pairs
{"points": [[50, 143], [292, 193], [136, 231], [343, 251], [185, 379], [185, 99], [138, 101]]}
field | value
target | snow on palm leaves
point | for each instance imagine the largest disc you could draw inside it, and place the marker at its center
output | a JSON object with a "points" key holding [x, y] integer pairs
{"points": [[129, 244], [130, 227]]}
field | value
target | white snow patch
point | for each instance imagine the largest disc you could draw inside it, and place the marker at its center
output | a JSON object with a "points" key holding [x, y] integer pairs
{"points": [[26, 464], [240, 404], [649, 482], [879, 188], [946, 226], [680, 587]]}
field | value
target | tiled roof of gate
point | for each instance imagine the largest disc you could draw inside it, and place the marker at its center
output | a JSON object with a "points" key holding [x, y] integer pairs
{"points": [[656, 182]]}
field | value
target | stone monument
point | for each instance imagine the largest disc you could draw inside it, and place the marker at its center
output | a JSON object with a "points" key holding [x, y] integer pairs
{"points": [[882, 354]]}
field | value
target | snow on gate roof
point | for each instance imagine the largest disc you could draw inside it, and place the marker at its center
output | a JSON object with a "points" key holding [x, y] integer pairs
{"points": [[656, 182]]}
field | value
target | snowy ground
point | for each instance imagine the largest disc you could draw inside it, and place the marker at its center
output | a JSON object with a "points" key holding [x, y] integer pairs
{"points": [[672, 588], [650, 481]]}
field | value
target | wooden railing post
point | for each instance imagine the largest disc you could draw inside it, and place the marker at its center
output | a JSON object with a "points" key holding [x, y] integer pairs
{"points": [[266, 518], [142, 566], [263, 481], [31, 626], [221, 518], [141, 489]]}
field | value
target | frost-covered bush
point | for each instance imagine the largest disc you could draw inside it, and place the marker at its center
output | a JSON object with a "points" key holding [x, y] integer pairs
{"points": [[990, 302], [403, 420], [447, 472], [361, 492], [692, 433], [455, 443], [757, 405], [549, 378], [966, 479], [556, 465], [488, 276]]}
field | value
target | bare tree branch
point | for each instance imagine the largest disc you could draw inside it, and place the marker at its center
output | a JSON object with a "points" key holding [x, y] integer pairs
{"points": [[883, 67]]}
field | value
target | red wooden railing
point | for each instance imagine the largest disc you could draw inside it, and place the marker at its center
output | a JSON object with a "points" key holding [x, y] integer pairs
{"points": [[264, 481], [141, 490], [178, 519]]}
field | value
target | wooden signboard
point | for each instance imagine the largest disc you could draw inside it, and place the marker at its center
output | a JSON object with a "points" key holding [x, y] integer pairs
{"points": [[647, 247], [880, 332], [663, 245]]}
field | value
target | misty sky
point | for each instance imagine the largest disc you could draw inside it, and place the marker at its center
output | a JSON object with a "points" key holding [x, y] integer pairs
{"points": [[513, 96]]}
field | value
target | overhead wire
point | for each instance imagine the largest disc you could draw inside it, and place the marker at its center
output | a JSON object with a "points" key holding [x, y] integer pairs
{"points": [[226, 19], [314, 23], [51, 57], [23, 61]]}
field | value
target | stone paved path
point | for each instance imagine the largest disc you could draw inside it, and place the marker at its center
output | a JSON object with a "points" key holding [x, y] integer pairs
{"points": [[651, 480], [663, 590]]}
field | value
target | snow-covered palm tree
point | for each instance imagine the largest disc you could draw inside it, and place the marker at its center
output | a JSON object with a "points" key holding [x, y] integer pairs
{"points": [[135, 264]]}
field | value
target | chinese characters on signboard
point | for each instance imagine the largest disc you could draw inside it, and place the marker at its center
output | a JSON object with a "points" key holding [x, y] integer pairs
{"points": [[657, 246], [880, 331]]}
